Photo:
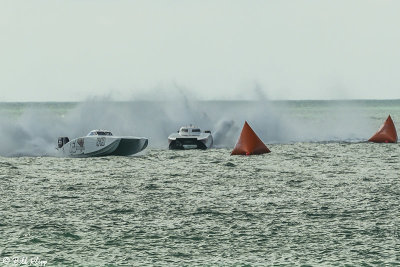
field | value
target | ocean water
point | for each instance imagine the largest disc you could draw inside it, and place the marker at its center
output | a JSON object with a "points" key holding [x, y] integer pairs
{"points": [[324, 196]]}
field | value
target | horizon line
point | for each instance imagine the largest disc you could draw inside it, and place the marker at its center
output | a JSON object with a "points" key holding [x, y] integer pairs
{"points": [[199, 100]]}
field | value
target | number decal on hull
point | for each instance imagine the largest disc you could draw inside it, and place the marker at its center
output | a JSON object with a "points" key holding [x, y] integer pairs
{"points": [[101, 141]]}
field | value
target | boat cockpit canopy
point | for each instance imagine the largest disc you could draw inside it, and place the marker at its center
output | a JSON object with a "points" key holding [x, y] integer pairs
{"points": [[189, 131], [99, 132]]}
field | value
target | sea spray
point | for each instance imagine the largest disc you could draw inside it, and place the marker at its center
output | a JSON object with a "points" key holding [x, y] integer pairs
{"points": [[33, 131], [30, 134]]}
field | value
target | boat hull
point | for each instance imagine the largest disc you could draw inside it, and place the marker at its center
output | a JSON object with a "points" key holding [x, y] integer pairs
{"points": [[99, 146], [130, 146], [182, 143]]}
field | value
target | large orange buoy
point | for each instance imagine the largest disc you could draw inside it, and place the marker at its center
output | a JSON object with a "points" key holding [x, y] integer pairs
{"points": [[249, 143], [386, 134]]}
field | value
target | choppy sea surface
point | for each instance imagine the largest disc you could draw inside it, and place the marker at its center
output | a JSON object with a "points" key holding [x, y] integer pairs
{"points": [[317, 199]]}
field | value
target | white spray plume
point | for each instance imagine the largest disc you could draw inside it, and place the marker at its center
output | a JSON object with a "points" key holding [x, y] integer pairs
{"points": [[35, 131]]}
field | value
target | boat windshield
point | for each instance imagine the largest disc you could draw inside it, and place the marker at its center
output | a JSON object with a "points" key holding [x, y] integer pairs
{"points": [[189, 131], [100, 133]]}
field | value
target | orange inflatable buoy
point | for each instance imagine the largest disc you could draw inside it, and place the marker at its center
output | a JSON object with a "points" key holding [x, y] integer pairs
{"points": [[249, 143], [386, 134]]}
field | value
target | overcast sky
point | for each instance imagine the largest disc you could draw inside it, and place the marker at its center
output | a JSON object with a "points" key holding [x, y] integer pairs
{"points": [[68, 50]]}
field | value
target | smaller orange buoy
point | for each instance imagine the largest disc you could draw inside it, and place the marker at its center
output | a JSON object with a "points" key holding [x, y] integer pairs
{"points": [[249, 143], [386, 134]]}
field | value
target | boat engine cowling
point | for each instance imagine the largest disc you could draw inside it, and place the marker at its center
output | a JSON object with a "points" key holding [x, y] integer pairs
{"points": [[62, 141]]}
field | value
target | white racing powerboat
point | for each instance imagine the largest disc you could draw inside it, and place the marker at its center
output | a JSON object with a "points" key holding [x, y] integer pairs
{"points": [[190, 137], [101, 143]]}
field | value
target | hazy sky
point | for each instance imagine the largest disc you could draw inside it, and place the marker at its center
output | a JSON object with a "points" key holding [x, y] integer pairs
{"points": [[68, 50]]}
